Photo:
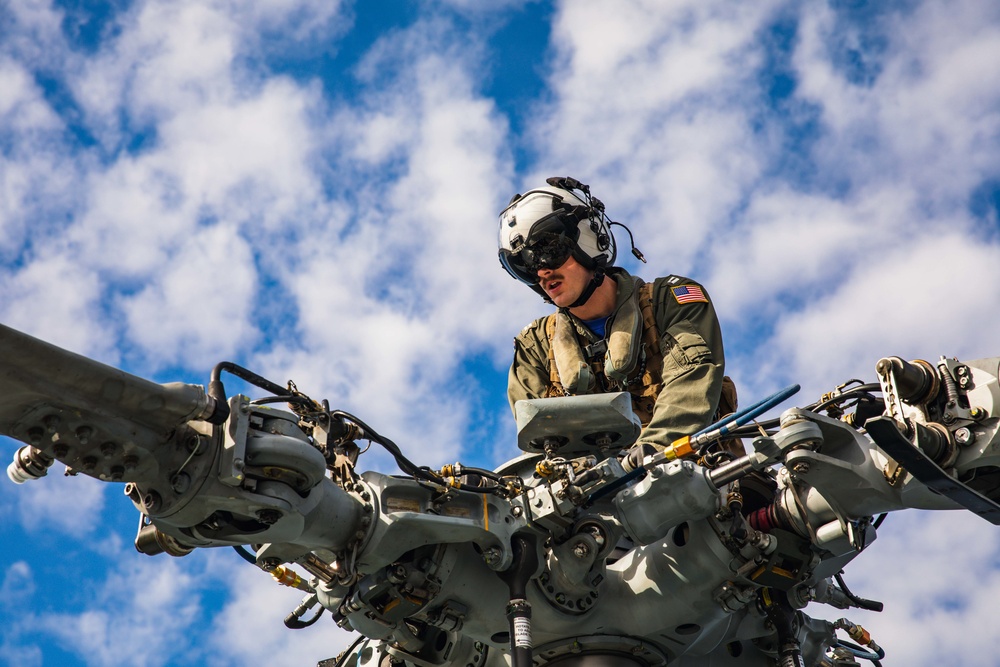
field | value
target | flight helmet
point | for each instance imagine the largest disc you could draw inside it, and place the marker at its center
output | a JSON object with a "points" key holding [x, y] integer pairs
{"points": [[545, 226]]}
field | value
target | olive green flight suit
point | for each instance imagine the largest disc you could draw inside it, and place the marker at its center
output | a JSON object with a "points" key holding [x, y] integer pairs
{"points": [[693, 359]]}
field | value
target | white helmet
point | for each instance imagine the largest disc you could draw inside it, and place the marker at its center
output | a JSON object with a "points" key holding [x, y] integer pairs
{"points": [[545, 226]]}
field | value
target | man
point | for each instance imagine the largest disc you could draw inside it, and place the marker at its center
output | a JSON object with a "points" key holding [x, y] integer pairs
{"points": [[611, 332]]}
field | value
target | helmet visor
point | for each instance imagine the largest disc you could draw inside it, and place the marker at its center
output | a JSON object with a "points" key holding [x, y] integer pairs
{"points": [[547, 251]]}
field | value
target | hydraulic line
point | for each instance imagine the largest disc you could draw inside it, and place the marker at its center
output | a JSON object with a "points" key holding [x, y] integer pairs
{"points": [[244, 554], [405, 464], [519, 609], [782, 617], [862, 603], [862, 636]]}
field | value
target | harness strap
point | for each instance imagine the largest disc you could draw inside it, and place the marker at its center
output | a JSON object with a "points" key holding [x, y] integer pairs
{"points": [[555, 386]]}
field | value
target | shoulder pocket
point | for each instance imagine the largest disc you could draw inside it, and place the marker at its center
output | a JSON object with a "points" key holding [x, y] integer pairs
{"points": [[683, 347]]}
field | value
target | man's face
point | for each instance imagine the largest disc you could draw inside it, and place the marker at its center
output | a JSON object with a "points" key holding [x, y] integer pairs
{"points": [[565, 284]]}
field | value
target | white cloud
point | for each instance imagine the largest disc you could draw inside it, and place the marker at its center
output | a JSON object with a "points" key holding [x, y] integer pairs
{"points": [[929, 118], [33, 32], [652, 107], [141, 616], [937, 575], [344, 237], [66, 504], [17, 583], [922, 311], [57, 298], [391, 301], [200, 306], [256, 608]]}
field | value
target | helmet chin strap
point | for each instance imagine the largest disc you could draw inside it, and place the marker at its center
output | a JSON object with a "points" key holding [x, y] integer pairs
{"points": [[595, 282]]}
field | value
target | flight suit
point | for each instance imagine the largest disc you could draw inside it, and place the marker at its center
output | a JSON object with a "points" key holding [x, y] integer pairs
{"points": [[690, 344]]}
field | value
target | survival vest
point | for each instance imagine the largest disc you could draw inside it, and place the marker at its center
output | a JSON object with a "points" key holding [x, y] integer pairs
{"points": [[646, 380]]}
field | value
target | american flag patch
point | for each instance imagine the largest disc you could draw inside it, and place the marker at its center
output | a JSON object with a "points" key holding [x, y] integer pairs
{"points": [[689, 294]]}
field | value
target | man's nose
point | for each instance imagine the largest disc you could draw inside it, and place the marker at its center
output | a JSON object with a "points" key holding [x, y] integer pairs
{"points": [[543, 272]]}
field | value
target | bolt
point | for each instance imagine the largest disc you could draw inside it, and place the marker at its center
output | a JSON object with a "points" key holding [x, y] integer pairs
{"points": [[60, 449], [516, 511], [89, 463], [180, 482], [35, 435], [560, 598], [83, 434], [581, 550], [131, 463], [964, 436], [108, 449], [51, 423], [269, 564], [239, 464], [193, 443], [801, 468], [978, 413], [492, 556], [117, 473]]}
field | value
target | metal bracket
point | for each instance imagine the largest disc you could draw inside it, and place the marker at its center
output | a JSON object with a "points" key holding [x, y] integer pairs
{"points": [[887, 436]]}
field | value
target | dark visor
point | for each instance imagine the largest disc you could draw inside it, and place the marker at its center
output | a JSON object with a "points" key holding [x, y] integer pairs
{"points": [[547, 251]]}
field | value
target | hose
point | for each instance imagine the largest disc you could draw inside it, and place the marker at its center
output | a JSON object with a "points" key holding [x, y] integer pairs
{"points": [[405, 464], [218, 391], [244, 374], [244, 554], [293, 620], [859, 652], [862, 603], [753, 430]]}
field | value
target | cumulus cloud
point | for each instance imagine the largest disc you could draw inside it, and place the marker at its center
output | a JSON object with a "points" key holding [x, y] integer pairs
{"points": [[384, 297], [58, 503], [174, 193], [140, 616], [256, 609], [937, 605]]}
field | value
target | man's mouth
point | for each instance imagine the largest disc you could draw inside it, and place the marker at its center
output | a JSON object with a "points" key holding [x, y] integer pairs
{"points": [[551, 285]]}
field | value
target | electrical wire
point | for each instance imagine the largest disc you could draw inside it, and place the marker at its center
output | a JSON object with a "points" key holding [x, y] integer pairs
{"points": [[862, 603], [405, 464], [281, 395]]}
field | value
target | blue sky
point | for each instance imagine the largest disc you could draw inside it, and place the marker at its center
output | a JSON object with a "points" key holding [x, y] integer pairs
{"points": [[310, 189]]}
